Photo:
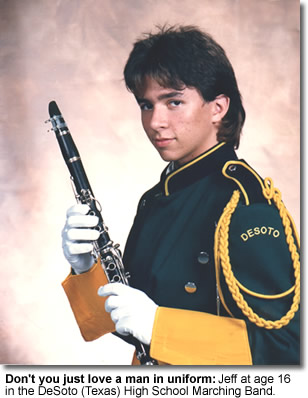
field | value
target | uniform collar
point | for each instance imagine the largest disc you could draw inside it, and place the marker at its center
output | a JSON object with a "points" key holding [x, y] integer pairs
{"points": [[207, 163]]}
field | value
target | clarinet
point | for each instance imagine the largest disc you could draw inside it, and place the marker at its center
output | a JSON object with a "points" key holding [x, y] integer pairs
{"points": [[103, 248]]}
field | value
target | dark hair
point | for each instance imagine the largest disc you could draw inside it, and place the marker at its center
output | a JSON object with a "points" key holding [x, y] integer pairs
{"points": [[185, 56]]}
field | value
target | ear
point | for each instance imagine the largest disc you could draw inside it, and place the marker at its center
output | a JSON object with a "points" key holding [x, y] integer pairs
{"points": [[220, 107]]}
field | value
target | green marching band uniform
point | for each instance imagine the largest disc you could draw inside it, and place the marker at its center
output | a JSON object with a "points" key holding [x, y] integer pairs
{"points": [[213, 245]]}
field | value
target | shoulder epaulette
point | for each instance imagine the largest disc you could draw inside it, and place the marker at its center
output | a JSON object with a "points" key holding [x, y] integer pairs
{"points": [[248, 180], [254, 189]]}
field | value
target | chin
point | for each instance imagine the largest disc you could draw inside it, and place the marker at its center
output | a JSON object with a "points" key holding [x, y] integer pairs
{"points": [[168, 158]]}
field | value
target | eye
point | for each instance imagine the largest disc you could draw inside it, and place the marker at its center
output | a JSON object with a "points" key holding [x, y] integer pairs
{"points": [[145, 106], [175, 103]]}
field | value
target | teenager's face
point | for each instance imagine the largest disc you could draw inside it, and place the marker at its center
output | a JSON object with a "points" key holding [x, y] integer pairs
{"points": [[179, 123]]}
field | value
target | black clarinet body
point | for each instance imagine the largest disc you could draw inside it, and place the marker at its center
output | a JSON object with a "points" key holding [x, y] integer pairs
{"points": [[104, 248]]}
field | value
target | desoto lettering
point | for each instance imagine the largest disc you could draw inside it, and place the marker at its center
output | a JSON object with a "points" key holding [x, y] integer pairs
{"points": [[57, 390], [259, 231]]}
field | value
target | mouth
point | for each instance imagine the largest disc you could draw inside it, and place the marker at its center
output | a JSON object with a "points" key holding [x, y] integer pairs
{"points": [[163, 142]]}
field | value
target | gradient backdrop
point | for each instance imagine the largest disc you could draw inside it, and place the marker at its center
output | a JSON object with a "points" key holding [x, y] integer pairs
{"points": [[73, 51]]}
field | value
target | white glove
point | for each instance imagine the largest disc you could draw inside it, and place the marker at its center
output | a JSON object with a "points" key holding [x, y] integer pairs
{"points": [[132, 311], [77, 237]]}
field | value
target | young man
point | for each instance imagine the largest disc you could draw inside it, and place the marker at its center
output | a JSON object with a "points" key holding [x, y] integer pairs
{"points": [[212, 253]]}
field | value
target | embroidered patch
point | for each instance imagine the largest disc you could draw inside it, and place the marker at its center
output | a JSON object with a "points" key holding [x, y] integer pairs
{"points": [[263, 230]]}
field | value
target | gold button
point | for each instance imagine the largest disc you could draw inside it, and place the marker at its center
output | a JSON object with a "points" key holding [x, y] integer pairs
{"points": [[190, 287]]}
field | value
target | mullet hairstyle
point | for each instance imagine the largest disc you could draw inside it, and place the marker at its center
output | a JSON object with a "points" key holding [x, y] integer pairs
{"points": [[184, 56]]}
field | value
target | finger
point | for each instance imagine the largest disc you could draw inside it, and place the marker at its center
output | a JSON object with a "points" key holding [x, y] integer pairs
{"points": [[75, 234], [112, 303], [80, 220], [118, 313], [114, 289], [78, 248], [117, 303], [122, 326], [78, 208]]}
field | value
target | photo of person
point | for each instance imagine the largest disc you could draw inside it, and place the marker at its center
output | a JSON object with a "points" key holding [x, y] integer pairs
{"points": [[187, 123]]}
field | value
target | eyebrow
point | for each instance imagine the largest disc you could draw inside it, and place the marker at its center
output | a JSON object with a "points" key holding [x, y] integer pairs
{"points": [[172, 94]]}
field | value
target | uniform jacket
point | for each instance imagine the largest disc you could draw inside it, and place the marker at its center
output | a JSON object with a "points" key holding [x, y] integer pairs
{"points": [[208, 314]]}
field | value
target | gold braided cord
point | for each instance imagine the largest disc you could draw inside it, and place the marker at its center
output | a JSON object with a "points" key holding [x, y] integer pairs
{"points": [[222, 258], [265, 296], [233, 202]]}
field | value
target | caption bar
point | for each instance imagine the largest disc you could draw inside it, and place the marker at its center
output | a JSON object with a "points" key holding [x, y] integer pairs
{"points": [[152, 385]]}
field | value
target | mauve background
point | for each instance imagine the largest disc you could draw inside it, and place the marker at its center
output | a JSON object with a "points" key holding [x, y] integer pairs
{"points": [[73, 51]]}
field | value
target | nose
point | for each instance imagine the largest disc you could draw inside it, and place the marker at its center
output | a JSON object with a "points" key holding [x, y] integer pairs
{"points": [[158, 118]]}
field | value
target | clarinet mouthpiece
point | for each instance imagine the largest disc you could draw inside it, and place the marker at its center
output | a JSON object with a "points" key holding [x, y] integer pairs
{"points": [[53, 109]]}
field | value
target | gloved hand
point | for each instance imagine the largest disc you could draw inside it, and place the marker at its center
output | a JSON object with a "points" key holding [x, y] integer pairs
{"points": [[77, 237], [132, 311]]}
